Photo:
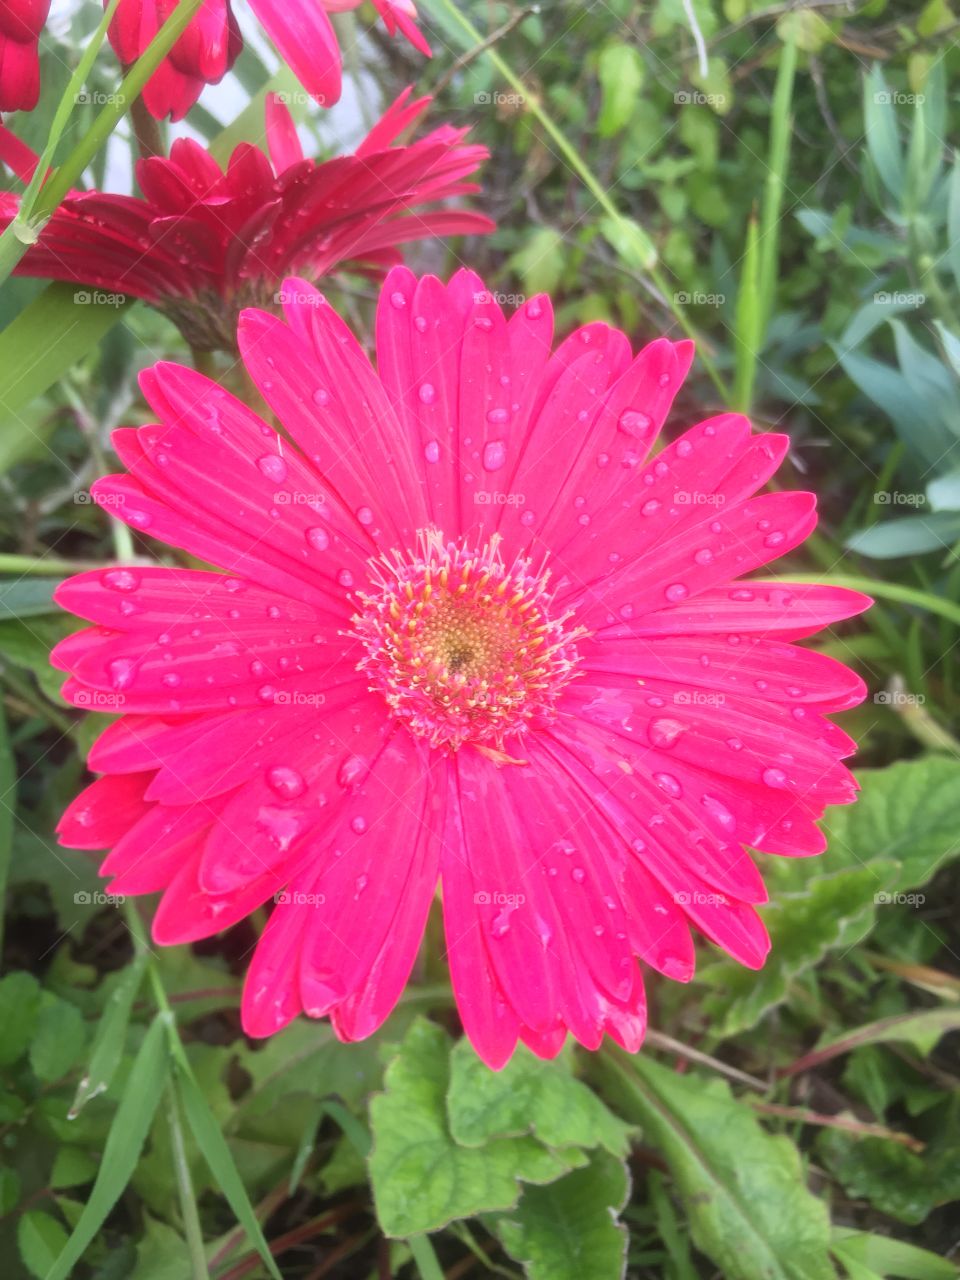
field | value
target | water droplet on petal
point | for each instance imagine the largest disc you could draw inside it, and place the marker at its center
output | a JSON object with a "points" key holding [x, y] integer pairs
{"points": [[663, 733], [121, 580], [634, 423], [358, 825], [676, 591], [318, 538], [494, 455], [121, 672], [397, 300], [286, 782], [431, 451], [273, 467], [427, 393], [365, 515], [775, 778], [668, 783]]}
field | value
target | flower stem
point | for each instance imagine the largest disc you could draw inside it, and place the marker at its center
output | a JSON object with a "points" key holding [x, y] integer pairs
{"points": [[188, 1203]]}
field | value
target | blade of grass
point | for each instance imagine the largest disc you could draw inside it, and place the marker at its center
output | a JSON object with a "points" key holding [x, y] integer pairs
{"points": [[781, 124], [748, 330], [125, 1140]]}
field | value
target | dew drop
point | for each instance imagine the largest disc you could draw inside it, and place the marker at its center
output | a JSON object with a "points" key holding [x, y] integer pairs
{"points": [[365, 515], [121, 672], [427, 393], [273, 467], [676, 591], [431, 451], [397, 300], [494, 455], [663, 733], [286, 782], [775, 778], [121, 580], [668, 783], [634, 423], [318, 538]]}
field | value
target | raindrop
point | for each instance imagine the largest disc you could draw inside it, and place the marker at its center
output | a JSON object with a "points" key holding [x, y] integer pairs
{"points": [[431, 451], [121, 580], [775, 778], [494, 455], [427, 393], [676, 591], [286, 782], [318, 538], [273, 467]]}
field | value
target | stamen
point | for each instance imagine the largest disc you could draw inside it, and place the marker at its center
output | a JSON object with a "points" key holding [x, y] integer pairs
{"points": [[463, 648]]}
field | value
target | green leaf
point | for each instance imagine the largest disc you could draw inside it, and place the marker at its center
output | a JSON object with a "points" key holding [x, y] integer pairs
{"points": [[8, 808], [633, 246], [20, 997], [743, 1189], [894, 838], [40, 345], [911, 536], [125, 1140], [529, 1096], [885, 1257], [805, 29], [568, 1230], [27, 598], [883, 139], [72, 1167], [209, 1138], [58, 1040], [422, 1179], [40, 1238], [620, 70], [539, 263], [110, 1036], [901, 1183]]}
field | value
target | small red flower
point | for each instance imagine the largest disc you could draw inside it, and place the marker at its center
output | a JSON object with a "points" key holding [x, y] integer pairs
{"points": [[469, 629], [208, 48], [21, 22], [203, 242]]}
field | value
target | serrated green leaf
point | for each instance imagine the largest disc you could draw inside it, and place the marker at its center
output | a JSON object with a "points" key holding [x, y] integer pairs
{"points": [[620, 71], [568, 1230], [902, 827], [58, 1040], [125, 1140], [743, 1189], [528, 1096], [904, 1184], [422, 1179]]}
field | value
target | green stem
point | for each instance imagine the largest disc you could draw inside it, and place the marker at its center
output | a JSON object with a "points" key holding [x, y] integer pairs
{"points": [[885, 590], [42, 197], [44, 566], [589, 179], [188, 1203]]}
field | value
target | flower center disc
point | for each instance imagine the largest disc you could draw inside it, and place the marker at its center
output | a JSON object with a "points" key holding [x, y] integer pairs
{"points": [[462, 647]]}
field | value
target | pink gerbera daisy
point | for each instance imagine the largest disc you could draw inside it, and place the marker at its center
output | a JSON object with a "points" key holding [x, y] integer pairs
{"points": [[201, 243], [471, 630], [21, 22], [208, 48]]}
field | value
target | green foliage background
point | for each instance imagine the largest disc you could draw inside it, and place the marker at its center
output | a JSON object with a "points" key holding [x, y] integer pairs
{"points": [[796, 204]]}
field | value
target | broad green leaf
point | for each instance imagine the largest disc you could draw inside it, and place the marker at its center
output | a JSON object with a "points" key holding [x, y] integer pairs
{"points": [[422, 1179], [918, 425], [743, 1189], [528, 1096], [40, 1237], [904, 1184], [539, 264], [40, 345], [209, 1138], [27, 597], [620, 70], [953, 221], [951, 345], [568, 1230], [110, 1036], [911, 536], [58, 1040], [20, 997], [806, 29], [121, 1152], [885, 1257], [900, 830], [72, 1168], [944, 492]]}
